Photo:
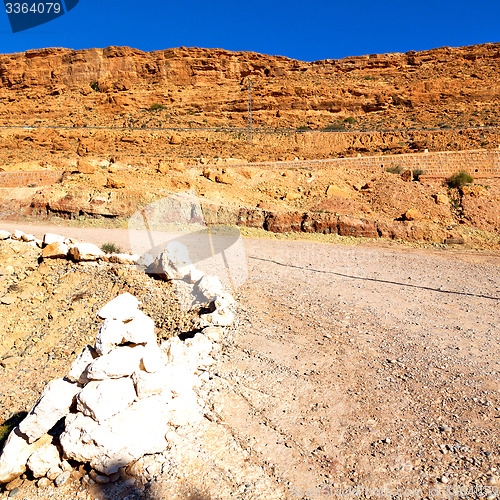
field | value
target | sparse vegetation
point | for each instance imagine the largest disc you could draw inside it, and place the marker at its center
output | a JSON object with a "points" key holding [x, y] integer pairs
{"points": [[8, 425], [395, 169], [460, 179], [156, 107], [95, 87], [110, 248], [417, 172], [335, 126]]}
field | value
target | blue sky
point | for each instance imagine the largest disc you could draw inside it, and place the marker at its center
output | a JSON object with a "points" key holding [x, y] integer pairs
{"points": [[306, 30]]}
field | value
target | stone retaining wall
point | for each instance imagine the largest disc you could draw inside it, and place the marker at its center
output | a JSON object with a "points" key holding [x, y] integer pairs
{"points": [[479, 163]]}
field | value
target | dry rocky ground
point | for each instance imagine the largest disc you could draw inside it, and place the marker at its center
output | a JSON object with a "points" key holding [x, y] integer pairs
{"points": [[361, 366]]}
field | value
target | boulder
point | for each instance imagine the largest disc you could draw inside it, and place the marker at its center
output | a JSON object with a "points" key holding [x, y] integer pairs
{"points": [[85, 167], [28, 238], [174, 262], [17, 235], [138, 430], [209, 286], [15, 454], [412, 214], [78, 371], [85, 251], [441, 199], [333, 190], [49, 238], [53, 404], [123, 308], [113, 183], [101, 400], [407, 176], [55, 250], [44, 459], [120, 362], [4, 235]]}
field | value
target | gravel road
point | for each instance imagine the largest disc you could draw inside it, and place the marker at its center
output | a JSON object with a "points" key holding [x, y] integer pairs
{"points": [[361, 367]]}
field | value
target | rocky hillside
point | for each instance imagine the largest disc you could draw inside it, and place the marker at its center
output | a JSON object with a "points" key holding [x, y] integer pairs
{"points": [[199, 87]]}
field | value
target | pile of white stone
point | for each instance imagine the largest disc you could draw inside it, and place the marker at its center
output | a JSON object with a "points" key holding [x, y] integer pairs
{"points": [[55, 246], [120, 400], [124, 395]]}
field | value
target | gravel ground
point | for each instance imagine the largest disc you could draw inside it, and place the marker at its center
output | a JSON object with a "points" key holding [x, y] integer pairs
{"points": [[352, 367]]}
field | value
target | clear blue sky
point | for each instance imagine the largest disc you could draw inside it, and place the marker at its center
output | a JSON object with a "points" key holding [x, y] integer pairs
{"points": [[306, 30]]}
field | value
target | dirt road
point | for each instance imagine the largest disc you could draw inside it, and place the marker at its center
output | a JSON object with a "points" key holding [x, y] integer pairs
{"points": [[361, 367]]}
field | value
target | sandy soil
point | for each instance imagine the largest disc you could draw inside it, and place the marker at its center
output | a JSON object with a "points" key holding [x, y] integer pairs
{"points": [[357, 367]]}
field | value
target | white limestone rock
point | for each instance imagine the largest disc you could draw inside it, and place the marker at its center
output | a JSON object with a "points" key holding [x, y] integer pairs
{"points": [[49, 238], [145, 260], [223, 301], [44, 459], [53, 404], [85, 252], [123, 308], [210, 287], [223, 317], [138, 430], [153, 359], [4, 235], [28, 238], [79, 366], [16, 453], [101, 400], [141, 330], [174, 261], [120, 362], [214, 333], [109, 336], [17, 235], [194, 275]]}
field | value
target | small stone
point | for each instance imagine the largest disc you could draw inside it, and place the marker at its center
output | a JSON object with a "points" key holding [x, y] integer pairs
{"points": [[412, 214], [445, 428], [387, 440], [44, 482], [8, 299], [62, 478], [100, 479], [53, 473], [492, 480], [444, 480], [13, 493]]}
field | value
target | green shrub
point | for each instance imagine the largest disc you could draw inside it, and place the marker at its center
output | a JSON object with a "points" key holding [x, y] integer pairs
{"points": [[156, 107], [417, 172], [335, 126], [8, 425], [110, 248], [460, 179], [395, 169], [349, 119], [95, 86], [303, 128]]}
